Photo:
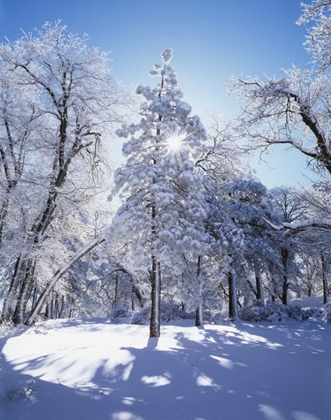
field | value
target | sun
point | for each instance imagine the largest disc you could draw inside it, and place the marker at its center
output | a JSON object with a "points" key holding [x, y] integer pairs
{"points": [[175, 141]]}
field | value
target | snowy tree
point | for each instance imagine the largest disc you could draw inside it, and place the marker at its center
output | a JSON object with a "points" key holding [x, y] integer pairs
{"points": [[160, 226], [249, 207], [318, 41], [70, 103], [292, 208], [294, 110], [224, 164]]}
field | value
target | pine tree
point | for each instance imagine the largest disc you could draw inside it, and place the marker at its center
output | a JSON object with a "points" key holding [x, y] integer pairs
{"points": [[161, 219]]}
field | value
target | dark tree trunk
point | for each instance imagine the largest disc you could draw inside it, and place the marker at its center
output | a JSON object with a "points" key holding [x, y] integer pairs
{"points": [[56, 307], [61, 307], [26, 282], [259, 284], [47, 311], [8, 304], [34, 296], [324, 279], [198, 311], [198, 319], [233, 308], [116, 291], [285, 286]]}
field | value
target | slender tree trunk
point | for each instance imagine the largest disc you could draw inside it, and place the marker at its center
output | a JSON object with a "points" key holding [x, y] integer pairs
{"points": [[259, 284], [285, 286], [47, 311], [34, 296], [198, 311], [26, 282], [8, 302], [155, 321], [233, 308], [61, 307], [56, 307], [3, 214], [324, 279], [52, 308], [116, 291]]}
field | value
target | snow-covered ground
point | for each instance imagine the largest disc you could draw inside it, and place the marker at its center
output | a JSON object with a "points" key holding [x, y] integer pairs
{"points": [[92, 369]]}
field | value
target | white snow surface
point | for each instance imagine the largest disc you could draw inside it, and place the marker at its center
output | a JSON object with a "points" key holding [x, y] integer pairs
{"points": [[92, 369]]}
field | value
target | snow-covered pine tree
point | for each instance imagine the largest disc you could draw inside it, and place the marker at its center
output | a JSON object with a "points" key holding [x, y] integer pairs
{"points": [[161, 221]]}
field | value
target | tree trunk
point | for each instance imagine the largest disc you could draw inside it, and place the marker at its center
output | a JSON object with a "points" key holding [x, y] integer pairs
{"points": [[47, 311], [116, 291], [56, 307], [155, 321], [34, 296], [52, 308], [324, 279], [8, 302], [26, 282], [233, 308], [61, 307], [259, 284], [285, 286], [60, 272], [198, 312]]}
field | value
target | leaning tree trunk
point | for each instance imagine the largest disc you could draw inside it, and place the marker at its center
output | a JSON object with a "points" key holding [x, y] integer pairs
{"points": [[60, 272]]}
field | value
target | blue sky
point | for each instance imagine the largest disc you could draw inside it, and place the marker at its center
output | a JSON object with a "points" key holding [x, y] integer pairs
{"points": [[211, 39]]}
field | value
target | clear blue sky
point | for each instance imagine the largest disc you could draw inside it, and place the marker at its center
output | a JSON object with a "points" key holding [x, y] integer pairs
{"points": [[211, 39]]}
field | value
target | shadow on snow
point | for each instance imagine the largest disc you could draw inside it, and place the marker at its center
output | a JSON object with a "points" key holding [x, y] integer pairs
{"points": [[241, 372]]}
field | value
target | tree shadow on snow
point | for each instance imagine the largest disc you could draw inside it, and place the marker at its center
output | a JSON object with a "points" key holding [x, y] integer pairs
{"points": [[244, 372]]}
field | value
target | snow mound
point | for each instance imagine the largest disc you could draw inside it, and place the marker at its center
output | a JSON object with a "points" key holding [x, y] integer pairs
{"points": [[308, 302], [274, 312], [325, 313], [170, 311]]}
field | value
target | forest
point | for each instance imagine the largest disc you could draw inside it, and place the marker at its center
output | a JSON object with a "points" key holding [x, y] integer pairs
{"points": [[183, 228]]}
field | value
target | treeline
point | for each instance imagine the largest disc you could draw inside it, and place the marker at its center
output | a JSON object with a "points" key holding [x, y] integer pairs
{"points": [[195, 228]]}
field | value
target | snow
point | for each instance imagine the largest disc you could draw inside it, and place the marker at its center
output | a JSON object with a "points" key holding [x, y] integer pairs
{"points": [[308, 302], [81, 370]]}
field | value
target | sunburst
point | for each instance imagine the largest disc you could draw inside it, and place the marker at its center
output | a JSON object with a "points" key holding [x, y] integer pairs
{"points": [[175, 141]]}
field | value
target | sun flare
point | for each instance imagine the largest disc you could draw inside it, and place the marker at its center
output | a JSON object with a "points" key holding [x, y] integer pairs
{"points": [[175, 141]]}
